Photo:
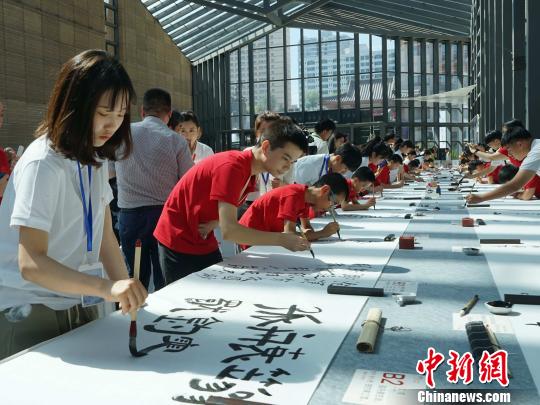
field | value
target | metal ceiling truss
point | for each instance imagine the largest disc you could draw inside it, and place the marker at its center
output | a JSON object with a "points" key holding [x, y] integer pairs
{"points": [[205, 28]]}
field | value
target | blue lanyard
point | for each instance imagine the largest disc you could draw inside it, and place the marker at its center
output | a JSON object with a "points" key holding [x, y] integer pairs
{"points": [[88, 225], [324, 166], [265, 179]]}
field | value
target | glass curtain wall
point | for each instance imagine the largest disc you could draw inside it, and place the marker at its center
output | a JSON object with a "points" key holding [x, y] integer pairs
{"points": [[352, 78]]}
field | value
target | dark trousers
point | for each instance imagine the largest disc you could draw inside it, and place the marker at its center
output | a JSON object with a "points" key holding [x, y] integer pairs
{"points": [[179, 265], [139, 223]]}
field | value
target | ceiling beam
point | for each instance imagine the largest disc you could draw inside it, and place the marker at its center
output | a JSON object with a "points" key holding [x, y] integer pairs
{"points": [[253, 14]]}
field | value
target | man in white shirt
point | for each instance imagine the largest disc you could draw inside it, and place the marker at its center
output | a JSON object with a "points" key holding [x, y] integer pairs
{"points": [[323, 131], [309, 169], [145, 179], [521, 146]]}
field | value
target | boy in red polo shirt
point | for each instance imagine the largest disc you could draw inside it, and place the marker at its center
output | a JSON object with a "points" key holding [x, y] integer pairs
{"points": [[360, 182], [281, 208], [209, 194], [530, 190]]}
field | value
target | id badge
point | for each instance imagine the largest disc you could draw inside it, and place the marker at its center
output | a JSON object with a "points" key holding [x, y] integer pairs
{"points": [[94, 269]]}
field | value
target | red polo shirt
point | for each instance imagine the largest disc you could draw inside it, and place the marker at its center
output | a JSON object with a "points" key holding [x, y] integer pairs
{"points": [[269, 213], [534, 183], [513, 160], [383, 177], [495, 173], [4, 162], [194, 200], [353, 195]]}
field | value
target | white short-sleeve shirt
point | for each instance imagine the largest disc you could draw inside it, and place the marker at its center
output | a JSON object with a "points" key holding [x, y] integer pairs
{"points": [[309, 169], [201, 151], [532, 161], [44, 193]]}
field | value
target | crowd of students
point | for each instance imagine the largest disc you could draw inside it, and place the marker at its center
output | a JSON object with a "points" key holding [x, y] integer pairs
{"points": [[509, 157], [59, 253]]}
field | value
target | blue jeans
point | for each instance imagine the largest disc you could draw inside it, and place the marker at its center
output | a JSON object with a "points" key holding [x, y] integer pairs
{"points": [[139, 223]]}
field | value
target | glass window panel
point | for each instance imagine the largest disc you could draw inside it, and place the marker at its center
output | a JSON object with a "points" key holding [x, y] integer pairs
{"points": [[465, 114], [293, 62], [246, 124], [430, 115], [276, 63], [109, 33], [456, 82], [404, 115], [417, 114], [465, 81], [233, 66], [329, 93], [429, 84], [465, 59], [444, 115], [311, 94], [234, 100], [346, 35], [376, 57], [444, 136], [442, 57], [404, 85], [391, 55], [294, 95], [260, 43], [235, 122], [244, 100], [405, 132], [365, 92], [347, 92], [346, 57], [442, 83], [429, 57], [311, 60], [328, 35], [454, 49], [329, 60], [260, 94], [363, 54], [276, 38], [417, 51], [377, 113], [417, 84], [259, 65], [109, 15], [293, 36], [418, 135], [365, 116], [277, 96], [311, 36], [244, 62], [457, 115], [432, 136], [391, 83], [404, 49]]}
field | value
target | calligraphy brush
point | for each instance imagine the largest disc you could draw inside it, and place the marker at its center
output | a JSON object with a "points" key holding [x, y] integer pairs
{"points": [[133, 313], [333, 212], [305, 237]]}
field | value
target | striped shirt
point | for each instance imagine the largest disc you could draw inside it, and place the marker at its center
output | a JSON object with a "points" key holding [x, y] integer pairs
{"points": [[159, 159]]}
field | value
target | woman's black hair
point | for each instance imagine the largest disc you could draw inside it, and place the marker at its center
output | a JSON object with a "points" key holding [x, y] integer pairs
{"points": [[68, 122], [377, 146], [332, 141], [325, 124], [174, 120]]}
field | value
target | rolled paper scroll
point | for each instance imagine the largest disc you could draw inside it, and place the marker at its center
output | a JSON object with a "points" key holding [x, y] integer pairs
{"points": [[370, 330]]}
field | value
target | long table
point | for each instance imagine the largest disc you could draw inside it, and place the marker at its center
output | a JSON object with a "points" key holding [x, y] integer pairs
{"points": [[222, 310]]}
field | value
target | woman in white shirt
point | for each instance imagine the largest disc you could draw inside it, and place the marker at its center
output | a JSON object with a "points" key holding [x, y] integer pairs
{"points": [[187, 124], [57, 239]]}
